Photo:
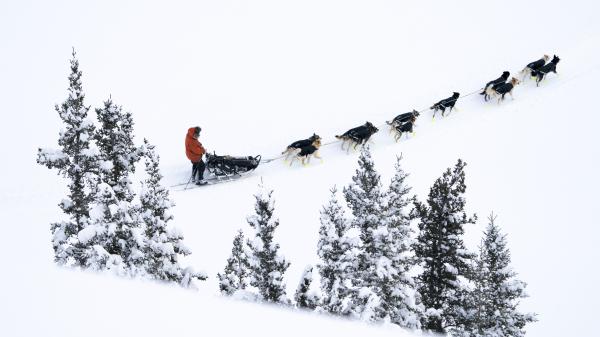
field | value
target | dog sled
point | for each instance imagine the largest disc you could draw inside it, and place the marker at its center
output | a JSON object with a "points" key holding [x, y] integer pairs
{"points": [[228, 166]]}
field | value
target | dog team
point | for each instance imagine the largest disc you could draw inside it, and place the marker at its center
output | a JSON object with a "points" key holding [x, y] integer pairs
{"points": [[304, 149]]}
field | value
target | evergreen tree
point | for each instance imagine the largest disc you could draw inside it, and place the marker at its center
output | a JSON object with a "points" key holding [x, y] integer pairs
{"points": [[496, 291], [338, 252], [163, 245], [399, 300], [365, 200], [236, 271], [304, 297], [118, 152], [267, 266], [441, 250], [99, 237], [76, 160]]}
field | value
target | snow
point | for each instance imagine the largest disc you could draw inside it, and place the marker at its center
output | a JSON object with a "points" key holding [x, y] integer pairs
{"points": [[258, 75]]}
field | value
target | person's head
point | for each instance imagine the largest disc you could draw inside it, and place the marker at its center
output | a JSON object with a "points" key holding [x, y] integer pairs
{"points": [[197, 132]]}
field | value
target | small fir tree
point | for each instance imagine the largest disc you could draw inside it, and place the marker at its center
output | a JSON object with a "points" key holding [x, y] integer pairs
{"points": [[306, 298], [76, 160], [441, 250], [496, 291], [235, 275], [267, 265], [399, 299], [365, 199], [338, 253], [164, 245]]}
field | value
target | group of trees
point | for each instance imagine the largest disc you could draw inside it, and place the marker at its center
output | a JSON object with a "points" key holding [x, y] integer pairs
{"points": [[376, 267], [108, 226]]}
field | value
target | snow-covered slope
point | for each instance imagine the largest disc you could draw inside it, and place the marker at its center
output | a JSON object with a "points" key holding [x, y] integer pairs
{"points": [[257, 75]]}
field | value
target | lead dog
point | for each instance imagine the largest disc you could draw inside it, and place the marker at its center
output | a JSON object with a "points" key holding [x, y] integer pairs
{"points": [[533, 66], [542, 71]]}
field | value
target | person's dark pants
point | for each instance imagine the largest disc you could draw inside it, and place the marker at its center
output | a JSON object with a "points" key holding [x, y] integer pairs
{"points": [[198, 168]]}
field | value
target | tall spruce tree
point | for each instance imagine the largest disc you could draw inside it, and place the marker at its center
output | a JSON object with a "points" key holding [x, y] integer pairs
{"points": [[304, 297], [163, 245], [399, 299], [118, 158], [338, 253], [441, 250], [496, 291], [267, 265], [236, 273], [76, 160], [365, 199], [117, 149]]}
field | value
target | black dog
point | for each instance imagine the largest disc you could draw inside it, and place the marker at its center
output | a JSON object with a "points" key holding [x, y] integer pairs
{"points": [[304, 153], [543, 70], [300, 144], [358, 135], [402, 128], [503, 89], [445, 103], [500, 80], [533, 66], [403, 118]]}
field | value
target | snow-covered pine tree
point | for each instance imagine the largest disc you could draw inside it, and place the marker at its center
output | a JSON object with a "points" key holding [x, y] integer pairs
{"points": [[267, 265], [164, 245], [338, 253], [365, 199], [118, 152], [99, 237], [236, 273], [118, 158], [496, 290], [441, 250], [399, 299], [76, 160], [305, 297]]}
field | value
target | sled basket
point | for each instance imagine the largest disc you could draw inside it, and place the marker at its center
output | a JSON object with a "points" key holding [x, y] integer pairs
{"points": [[229, 165]]}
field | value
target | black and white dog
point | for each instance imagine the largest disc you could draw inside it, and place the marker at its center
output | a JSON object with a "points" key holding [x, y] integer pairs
{"points": [[545, 69], [300, 144], [500, 80], [503, 89], [533, 66], [304, 153], [445, 103], [402, 128], [358, 135], [403, 118]]}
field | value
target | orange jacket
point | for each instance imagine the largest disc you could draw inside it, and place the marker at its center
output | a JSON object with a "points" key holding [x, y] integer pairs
{"points": [[193, 148]]}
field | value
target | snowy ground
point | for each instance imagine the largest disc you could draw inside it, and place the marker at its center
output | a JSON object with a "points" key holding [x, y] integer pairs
{"points": [[257, 75]]}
